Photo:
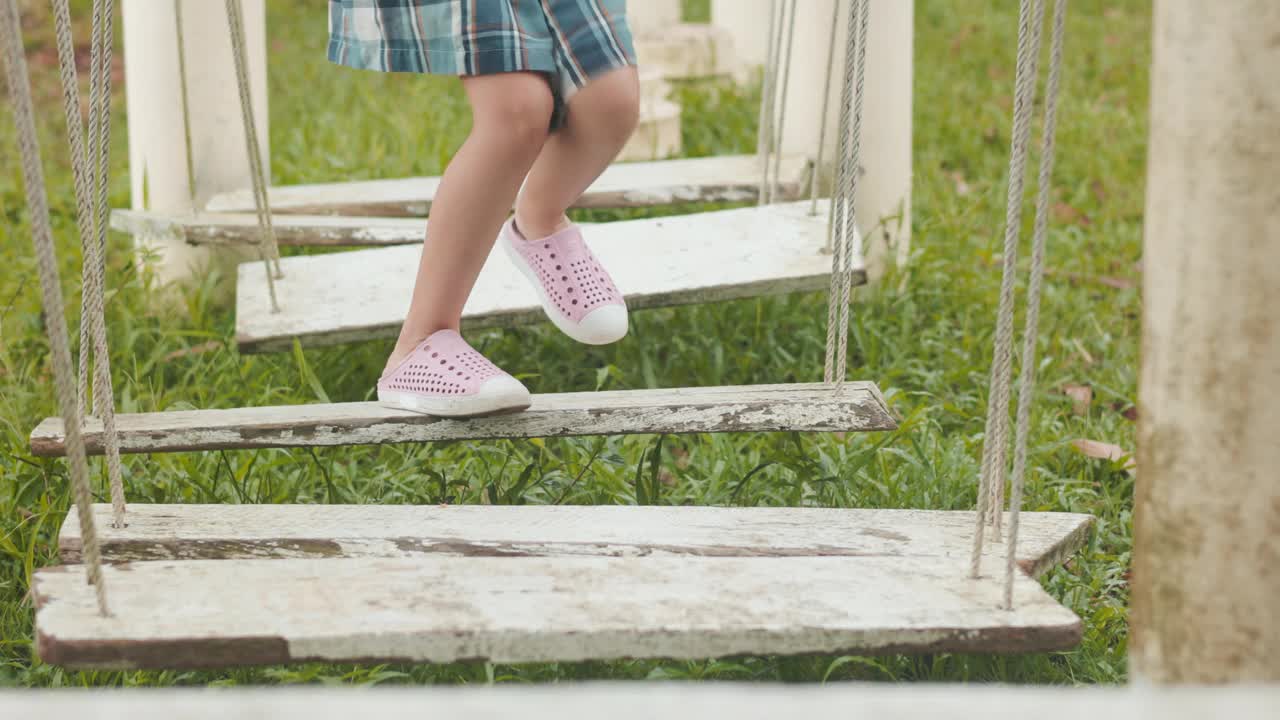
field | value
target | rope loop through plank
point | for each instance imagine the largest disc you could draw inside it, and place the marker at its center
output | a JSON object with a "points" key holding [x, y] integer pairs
{"points": [[995, 437], [991, 488], [90, 170], [16, 78], [1027, 382]]}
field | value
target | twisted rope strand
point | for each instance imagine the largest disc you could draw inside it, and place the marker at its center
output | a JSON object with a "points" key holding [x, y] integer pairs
{"points": [[1031, 332], [782, 102], [15, 64], [839, 194], [822, 126], [267, 245], [996, 435], [84, 204], [764, 132], [851, 210]]}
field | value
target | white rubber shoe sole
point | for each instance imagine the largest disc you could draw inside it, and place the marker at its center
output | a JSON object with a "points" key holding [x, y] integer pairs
{"points": [[605, 325], [496, 396]]}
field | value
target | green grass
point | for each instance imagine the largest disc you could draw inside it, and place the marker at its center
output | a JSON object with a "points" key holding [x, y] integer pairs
{"points": [[924, 336]]}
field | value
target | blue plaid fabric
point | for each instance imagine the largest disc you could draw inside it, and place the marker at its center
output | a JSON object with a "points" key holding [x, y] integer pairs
{"points": [[571, 40]]}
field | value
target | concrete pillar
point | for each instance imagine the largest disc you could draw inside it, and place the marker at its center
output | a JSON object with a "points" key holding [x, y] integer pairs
{"points": [[884, 193], [157, 153], [652, 16], [1206, 559]]}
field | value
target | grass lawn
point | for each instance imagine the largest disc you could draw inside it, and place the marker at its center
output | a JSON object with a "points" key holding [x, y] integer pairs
{"points": [[925, 336]]}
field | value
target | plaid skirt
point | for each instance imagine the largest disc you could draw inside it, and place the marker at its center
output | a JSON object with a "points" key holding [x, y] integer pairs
{"points": [[569, 40]]}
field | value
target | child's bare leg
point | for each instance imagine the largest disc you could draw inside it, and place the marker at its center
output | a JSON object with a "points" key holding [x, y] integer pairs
{"points": [[511, 113], [601, 118]]}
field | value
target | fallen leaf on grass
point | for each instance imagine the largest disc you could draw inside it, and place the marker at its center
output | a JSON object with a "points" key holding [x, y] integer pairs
{"points": [[1118, 283], [1070, 214], [1105, 451], [682, 457], [1081, 397], [194, 350], [1127, 411]]}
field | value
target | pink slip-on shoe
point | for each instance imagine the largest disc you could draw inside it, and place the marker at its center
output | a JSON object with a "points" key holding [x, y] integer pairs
{"points": [[445, 376], [575, 291]]}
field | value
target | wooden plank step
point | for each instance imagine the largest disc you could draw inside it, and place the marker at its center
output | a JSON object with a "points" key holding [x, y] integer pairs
{"points": [[220, 532], [721, 178], [649, 700], [298, 230], [705, 257], [207, 613], [856, 406]]}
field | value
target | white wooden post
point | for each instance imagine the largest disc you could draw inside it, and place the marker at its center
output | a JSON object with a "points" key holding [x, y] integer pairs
{"points": [[884, 193], [1206, 560], [153, 90], [748, 22], [652, 16]]}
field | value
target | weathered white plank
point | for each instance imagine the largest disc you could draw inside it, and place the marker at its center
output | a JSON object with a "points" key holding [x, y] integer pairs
{"points": [[722, 178], [242, 228], [203, 613], [650, 700], [196, 532], [855, 406], [363, 294]]}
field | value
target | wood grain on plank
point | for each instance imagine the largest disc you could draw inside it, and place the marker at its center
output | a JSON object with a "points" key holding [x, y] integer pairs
{"points": [[194, 532], [204, 613], [856, 406], [705, 257], [242, 229], [722, 178]]}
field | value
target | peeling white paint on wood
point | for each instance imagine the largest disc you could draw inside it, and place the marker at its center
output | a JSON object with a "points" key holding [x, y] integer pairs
{"points": [[203, 613], [213, 532], [242, 229], [721, 178], [854, 407], [650, 700], [705, 257]]}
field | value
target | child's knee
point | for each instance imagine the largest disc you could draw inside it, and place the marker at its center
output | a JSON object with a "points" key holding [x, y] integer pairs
{"points": [[617, 105], [521, 116]]}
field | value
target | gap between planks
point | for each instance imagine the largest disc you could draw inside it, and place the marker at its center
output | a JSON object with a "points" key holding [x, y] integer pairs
{"points": [[219, 532], [854, 407]]}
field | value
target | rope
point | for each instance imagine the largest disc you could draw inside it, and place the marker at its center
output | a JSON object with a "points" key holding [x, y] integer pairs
{"points": [[996, 436], [822, 127], [51, 293], [1031, 332], [267, 246], [851, 178], [837, 225], [93, 221], [782, 101], [79, 162], [180, 34], [767, 98]]}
